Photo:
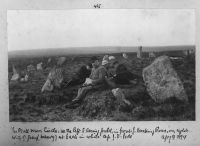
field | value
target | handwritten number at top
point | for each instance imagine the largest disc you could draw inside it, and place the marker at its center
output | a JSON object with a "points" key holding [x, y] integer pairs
{"points": [[97, 6]]}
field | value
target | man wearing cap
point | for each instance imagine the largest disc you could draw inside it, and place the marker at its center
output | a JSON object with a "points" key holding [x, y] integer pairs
{"points": [[95, 81]]}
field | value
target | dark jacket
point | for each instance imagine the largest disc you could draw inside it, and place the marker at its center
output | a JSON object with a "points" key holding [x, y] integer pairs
{"points": [[123, 75], [83, 73], [79, 77]]}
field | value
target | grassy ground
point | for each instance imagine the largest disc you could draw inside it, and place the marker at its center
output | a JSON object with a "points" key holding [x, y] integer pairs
{"points": [[27, 103]]}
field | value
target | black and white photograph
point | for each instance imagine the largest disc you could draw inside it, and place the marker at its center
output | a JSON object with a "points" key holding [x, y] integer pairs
{"points": [[101, 65]]}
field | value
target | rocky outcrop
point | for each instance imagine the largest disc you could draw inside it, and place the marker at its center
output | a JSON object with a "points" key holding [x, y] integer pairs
{"points": [[162, 81]]}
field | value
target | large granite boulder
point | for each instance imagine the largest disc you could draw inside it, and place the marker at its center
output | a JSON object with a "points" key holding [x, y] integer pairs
{"points": [[162, 81]]}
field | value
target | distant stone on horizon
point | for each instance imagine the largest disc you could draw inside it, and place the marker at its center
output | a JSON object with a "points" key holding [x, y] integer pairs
{"points": [[139, 52], [152, 55]]}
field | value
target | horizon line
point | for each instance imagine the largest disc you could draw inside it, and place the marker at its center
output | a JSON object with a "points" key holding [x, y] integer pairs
{"points": [[102, 46]]}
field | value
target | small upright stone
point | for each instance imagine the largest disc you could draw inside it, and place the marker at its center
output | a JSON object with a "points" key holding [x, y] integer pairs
{"points": [[139, 52]]}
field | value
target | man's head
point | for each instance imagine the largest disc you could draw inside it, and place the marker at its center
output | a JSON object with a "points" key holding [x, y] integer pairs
{"points": [[95, 62], [89, 66], [105, 63], [112, 59]]}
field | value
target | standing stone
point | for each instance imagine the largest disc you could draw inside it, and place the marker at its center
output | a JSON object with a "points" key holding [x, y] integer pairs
{"points": [[30, 68], [26, 78], [49, 60], [186, 52], [54, 79], [56, 76], [61, 60], [48, 86], [39, 66], [14, 70], [125, 55], [192, 51], [152, 55], [139, 52], [15, 75], [162, 81]]}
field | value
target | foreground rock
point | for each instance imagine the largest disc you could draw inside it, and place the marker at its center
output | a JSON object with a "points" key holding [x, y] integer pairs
{"points": [[54, 79], [162, 81], [15, 75], [118, 93]]}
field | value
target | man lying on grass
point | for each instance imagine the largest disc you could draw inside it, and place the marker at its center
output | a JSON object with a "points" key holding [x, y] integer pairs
{"points": [[79, 78], [120, 76], [94, 82]]}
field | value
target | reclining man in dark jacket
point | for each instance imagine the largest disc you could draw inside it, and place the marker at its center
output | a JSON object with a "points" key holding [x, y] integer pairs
{"points": [[122, 76], [79, 78], [95, 81]]}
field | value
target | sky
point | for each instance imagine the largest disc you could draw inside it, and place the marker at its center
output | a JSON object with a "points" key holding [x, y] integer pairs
{"points": [[37, 29]]}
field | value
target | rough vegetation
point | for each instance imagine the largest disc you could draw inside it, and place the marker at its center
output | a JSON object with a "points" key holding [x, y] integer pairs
{"points": [[27, 103]]}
